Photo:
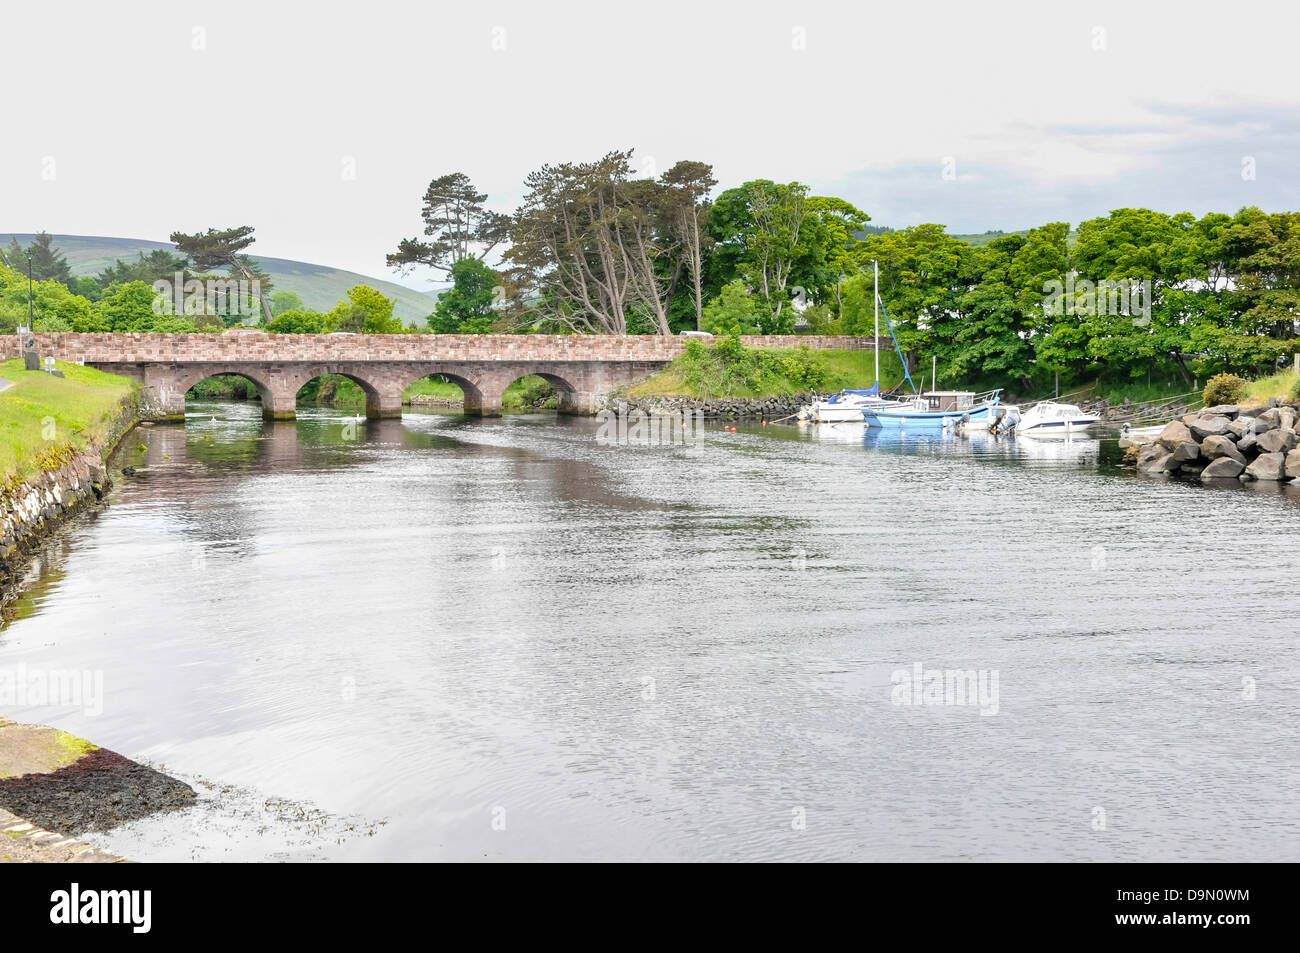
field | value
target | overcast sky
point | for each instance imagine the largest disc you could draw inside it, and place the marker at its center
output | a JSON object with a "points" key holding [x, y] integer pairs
{"points": [[322, 123]]}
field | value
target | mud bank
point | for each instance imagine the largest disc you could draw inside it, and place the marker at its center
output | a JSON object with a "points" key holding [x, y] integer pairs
{"points": [[57, 782]]}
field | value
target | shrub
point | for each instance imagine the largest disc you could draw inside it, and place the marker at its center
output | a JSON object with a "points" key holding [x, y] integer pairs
{"points": [[804, 369], [1224, 389], [1295, 389]]}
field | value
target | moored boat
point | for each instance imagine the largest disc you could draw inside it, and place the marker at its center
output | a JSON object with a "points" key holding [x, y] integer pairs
{"points": [[847, 405], [934, 410], [1049, 418]]}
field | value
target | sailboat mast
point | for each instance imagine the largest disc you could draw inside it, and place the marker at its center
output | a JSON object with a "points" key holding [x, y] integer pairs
{"points": [[875, 288]]}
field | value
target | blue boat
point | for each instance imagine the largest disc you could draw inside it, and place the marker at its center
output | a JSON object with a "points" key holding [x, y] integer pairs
{"points": [[934, 410]]}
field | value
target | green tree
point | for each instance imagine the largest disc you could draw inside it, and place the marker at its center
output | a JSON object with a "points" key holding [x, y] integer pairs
{"points": [[283, 301], [299, 321], [365, 311], [836, 224], [761, 235], [735, 311], [158, 265], [223, 248], [690, 183], [457, 225], [466, 307], [48, 263]]}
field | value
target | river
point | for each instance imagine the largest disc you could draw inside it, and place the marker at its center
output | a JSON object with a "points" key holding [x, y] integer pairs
{"points": [[447, 638]]}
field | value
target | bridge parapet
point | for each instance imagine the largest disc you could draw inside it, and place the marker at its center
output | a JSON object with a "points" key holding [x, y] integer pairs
{"points": [[105, 348]]}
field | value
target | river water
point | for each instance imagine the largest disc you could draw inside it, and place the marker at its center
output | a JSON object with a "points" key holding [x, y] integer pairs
{"points": [[527, 638]]}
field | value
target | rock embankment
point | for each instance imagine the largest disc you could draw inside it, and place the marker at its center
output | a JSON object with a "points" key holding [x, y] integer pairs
{"points": [[442, 403], [1224, 443], [764, 408], [29, 507]]}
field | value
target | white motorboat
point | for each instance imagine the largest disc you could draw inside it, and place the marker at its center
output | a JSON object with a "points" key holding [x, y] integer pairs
{"points": [[1048, 418], [846, 406]]}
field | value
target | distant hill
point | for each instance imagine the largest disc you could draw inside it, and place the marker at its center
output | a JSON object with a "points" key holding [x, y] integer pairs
{"points": [[976, 239], [319, 286]]}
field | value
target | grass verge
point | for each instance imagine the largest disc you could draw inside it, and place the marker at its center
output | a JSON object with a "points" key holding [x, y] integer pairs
{"points": [[44, 419]]}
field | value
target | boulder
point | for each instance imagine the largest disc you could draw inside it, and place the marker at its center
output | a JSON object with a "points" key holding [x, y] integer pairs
{"points": [[1222, 410], [1293, 463], [1268, 466], [1271, 419], [1186, 452], [1157, 464], [1286, 418], [1202, 427], [1241, 426], [1219, 445], [1224, 468], [1248, 444], [1149, 452], [1174, 435], [1277, 441]]}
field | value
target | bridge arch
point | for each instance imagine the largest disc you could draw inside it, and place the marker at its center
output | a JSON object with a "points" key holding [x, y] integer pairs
{"points": [[563, 389], [185, 382], [370, 390], [467, 382]]}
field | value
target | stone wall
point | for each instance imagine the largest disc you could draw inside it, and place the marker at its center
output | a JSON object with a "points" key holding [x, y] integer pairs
{"points": [[30, 508], [27, 510]]}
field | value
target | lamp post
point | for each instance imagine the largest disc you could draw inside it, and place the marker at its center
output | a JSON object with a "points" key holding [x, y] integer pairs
{"points": [[29, 289]]}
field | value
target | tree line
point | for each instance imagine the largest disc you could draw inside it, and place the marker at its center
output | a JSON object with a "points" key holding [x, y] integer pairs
{"points": [[594, 247]]}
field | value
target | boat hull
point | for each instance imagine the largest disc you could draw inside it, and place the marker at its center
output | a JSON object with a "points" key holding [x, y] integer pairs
{"points": [[911, 419], [1057, 428], [837, 414]]}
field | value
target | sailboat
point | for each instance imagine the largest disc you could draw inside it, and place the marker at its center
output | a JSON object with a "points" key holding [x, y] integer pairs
{"points": [[932, 410], [847, 405]]}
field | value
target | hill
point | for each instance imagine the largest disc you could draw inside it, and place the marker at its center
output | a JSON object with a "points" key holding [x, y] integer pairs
{"points": [[319, 286]]}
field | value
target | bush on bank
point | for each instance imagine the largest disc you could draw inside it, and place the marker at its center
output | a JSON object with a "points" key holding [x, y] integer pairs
{"points": [[727, 368]]}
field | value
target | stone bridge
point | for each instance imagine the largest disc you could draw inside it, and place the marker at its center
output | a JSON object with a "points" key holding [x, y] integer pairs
{"points": [[581, 367]]}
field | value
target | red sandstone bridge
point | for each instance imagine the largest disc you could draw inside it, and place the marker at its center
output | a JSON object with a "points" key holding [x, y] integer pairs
{"points": [[581, 367]]}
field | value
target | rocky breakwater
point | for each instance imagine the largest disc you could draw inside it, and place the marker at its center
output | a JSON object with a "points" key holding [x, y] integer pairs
{"points": [[765, 408], [1224, 443]]}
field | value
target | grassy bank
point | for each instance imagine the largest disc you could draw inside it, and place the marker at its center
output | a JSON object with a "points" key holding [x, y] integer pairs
{"points": [[1282, 384], [44, 419], [726, 370]]}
